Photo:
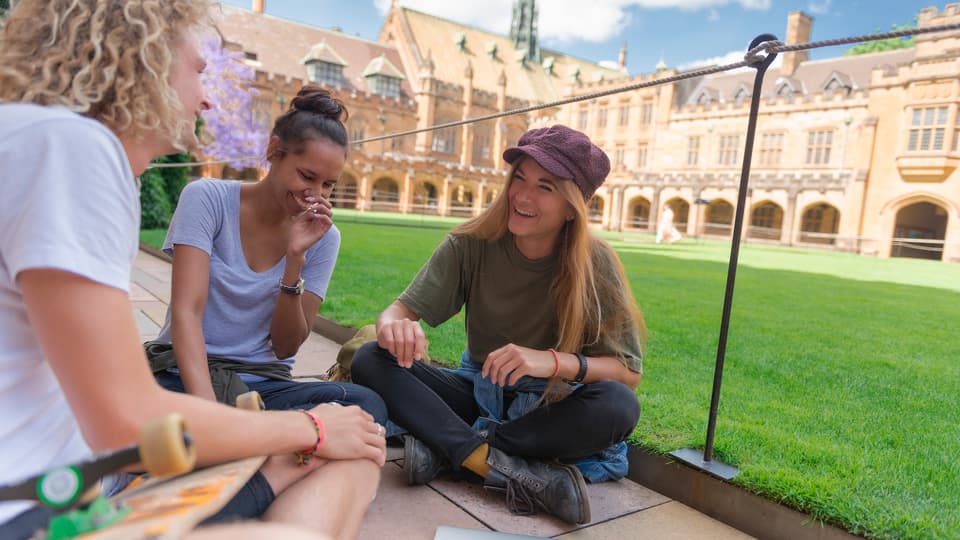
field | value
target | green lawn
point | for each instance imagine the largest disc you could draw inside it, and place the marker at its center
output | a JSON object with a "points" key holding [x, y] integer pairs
{"points": [[154, 237], [841, 395]]}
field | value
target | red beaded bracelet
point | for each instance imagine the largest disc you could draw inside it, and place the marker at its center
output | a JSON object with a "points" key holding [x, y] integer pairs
{"points": [[304, 456], [556, 363]]}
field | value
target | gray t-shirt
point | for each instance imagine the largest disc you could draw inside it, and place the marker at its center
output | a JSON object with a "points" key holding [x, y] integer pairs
{"points": [[240, 302], [507, 298]]}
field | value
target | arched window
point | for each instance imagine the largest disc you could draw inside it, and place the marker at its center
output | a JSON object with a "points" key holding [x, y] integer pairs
{"points": [[820, 224], [766, 221], [596, 209], [424, 198], [920, 231], [681, 213], [719, 218], [461, 201], [385, 195], [345, 194], [639, 213]]}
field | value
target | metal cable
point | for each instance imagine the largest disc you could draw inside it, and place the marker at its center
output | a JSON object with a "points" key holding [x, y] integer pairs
{"points": [[754, 55], [779, 46]]}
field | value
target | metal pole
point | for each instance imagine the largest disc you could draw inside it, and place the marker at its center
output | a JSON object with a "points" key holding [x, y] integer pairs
{"points": [[688, 455]]}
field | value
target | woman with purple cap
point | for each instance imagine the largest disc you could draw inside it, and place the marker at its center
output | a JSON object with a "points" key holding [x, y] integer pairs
{"points": [[553, 357]]}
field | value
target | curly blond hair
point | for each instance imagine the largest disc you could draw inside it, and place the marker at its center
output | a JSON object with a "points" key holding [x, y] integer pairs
{"points": [[106, 59]]}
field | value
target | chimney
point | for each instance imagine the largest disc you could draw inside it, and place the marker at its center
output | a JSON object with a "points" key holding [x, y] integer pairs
{"points": [[798, 31], [258, 6], [622, 59]]}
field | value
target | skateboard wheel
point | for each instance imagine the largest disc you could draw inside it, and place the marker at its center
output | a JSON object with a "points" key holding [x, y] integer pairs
{"points": [[60, 487], [250, 401], [164, 446]]}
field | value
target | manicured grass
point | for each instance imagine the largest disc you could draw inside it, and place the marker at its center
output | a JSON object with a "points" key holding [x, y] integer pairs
{"points": [[841, 394], [153, 237]]}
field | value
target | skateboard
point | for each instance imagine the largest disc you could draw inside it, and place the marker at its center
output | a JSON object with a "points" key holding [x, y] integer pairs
{"points": [[167, 503]]}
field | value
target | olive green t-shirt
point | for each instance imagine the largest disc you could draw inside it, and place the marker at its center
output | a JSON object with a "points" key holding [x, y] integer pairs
{"points": [[507, 298]]}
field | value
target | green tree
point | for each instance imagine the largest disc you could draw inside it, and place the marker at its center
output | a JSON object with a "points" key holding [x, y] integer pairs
{"points": [[881, 45], [174, 178], [4, 7], [154, 202]]}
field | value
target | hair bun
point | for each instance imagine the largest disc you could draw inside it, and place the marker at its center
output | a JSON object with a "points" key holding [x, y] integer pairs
{"points": [[315, 99]]}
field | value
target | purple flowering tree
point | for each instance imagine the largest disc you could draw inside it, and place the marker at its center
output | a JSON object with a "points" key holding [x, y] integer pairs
{"points": [[230, 124]]}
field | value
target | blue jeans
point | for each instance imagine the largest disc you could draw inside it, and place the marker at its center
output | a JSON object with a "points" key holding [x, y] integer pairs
{"points": [[287, 395]]}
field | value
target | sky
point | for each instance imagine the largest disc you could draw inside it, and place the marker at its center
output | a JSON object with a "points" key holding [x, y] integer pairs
{"points": [[684, 33]]}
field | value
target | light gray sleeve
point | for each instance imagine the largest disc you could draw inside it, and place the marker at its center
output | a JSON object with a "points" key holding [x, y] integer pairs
{"points": [[320, 262], [197, 219]]}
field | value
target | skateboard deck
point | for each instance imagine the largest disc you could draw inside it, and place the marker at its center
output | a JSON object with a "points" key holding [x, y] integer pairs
{"points": [[161, 506], [169, 508]]}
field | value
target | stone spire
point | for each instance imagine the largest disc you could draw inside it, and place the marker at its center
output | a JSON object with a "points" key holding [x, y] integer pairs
{"points": [[523, 29]]}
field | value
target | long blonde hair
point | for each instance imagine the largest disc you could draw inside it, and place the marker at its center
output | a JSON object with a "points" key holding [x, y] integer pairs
{"points": [[106, 59], [589, 305]]}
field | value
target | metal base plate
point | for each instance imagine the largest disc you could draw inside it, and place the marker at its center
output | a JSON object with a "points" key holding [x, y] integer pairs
{"points": [[694, 458]]}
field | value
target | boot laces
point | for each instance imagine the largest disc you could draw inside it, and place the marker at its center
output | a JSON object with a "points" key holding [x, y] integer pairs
{"points": [[520, 500]]}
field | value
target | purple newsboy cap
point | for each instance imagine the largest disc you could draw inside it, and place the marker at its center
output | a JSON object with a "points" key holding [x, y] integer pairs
{"points": [[565, 153]]}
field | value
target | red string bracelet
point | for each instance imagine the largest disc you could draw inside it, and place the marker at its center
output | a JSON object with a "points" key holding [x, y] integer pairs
{"points": [[556, 363], [304, 456]]}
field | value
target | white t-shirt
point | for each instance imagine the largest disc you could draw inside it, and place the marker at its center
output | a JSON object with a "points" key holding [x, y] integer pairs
{"points": [[69, 201]]}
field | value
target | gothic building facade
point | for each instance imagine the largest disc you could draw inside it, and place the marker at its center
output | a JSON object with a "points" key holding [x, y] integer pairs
{"points": [[852, 153]]}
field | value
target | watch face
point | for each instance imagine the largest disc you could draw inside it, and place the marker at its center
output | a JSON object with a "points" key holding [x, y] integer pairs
{"points": [[295, 289]]}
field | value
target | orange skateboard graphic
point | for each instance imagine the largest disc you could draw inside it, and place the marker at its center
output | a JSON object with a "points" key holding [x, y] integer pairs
{"points": [[162, 506]]}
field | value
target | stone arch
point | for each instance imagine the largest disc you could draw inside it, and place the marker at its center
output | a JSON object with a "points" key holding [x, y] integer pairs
{"points": [[385, 195], [425, 198], [819, 223], [345, 194], [461, 200], [718, 218], [595, 209], [919, 231], [639, 208], [681, 212], [490, 195], [766, 220], [910, 198]]}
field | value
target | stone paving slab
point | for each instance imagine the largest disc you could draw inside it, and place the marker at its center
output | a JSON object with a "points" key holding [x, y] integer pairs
{"points": [[139, 294], [608, 500], [145, 327], [410, 512], [315, 356], [668, 521], [155, 310], [157, 286]]}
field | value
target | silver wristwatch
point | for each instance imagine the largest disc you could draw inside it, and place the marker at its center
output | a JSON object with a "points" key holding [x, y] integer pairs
{"points": [[295, 290]]}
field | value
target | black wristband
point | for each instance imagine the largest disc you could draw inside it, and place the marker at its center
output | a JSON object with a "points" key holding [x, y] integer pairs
{"points": [[582, 372]]}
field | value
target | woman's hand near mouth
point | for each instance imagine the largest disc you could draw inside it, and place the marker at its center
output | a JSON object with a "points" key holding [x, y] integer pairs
{"points": [[310, 225]]}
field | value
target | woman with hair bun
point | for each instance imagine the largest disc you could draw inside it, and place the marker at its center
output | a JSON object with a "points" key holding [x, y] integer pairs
{"points": [[251, 265]]}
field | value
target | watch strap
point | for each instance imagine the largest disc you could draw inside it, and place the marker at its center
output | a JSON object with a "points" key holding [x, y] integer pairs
{"points": [[295, 290]]}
